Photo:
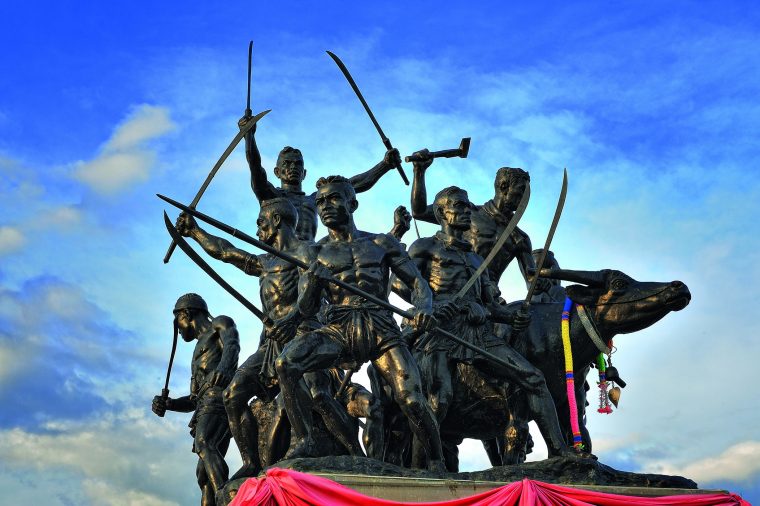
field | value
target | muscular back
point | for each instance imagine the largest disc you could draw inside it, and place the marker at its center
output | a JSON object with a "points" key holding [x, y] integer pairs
{"points": [[208, 353]]}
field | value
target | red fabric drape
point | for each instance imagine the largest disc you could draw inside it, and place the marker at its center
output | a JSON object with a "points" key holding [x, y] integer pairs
{"points": [[282, 487]]}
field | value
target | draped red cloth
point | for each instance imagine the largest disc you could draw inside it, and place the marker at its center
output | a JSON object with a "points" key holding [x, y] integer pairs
{"points": [[282, 487]]}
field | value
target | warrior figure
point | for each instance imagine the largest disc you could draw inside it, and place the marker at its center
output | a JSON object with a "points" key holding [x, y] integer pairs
{"points": [[279, 292], [447, 262], [488, 220], [291, 172], [214, 362], [355, 330]]}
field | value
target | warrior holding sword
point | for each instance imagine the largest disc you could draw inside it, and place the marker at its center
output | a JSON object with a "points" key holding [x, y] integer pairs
{"points": [[214, 362]]}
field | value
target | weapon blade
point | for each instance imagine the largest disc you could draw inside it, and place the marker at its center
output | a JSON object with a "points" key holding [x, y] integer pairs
{"points": [[499, 242], [165, 391], [248, 100], [386, 141], [349, 288], [216, 168], [552, 229], [195, 257]]}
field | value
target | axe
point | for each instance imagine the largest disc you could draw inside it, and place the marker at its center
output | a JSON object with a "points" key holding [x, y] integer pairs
{"points": [[461, 152]]}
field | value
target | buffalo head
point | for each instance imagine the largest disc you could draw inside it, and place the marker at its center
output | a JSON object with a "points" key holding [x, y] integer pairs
{"points": [[619, 303]]}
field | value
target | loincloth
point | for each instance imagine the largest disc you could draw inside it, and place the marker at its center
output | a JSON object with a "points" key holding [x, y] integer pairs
{"points": [[480, 335], [272, 350], [364, 331]]}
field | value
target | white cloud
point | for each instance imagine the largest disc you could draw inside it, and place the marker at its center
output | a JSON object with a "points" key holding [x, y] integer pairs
{"points": [[738, 463], [145, 123], [126, 459], [125, 159], [62, 216], [11, 239]]}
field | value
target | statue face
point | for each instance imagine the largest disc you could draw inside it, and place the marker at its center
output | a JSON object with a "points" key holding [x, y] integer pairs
{"points": [[267, 230], [510, 191], [334, 206], [457, 211], [185, 324], [290, 169]]}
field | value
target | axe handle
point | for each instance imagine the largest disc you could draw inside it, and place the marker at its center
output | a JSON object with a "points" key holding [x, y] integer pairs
{"points": [[446, 153]]}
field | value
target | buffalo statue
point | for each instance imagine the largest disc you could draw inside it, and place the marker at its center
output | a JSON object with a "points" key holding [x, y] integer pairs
{"points": [[616, 304]]}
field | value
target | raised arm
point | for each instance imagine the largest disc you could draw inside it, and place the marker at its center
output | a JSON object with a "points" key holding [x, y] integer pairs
{"points": [[420, 208], [262, 188], [366, 180], [219, 248], [401, 223]]}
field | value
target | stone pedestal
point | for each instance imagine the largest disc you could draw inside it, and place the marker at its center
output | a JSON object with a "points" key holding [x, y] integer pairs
{"points": [[433, 489]]}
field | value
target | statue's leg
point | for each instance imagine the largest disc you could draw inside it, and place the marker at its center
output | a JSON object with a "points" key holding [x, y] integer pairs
{"points": [[310, 352], [440, 390], [399, 370], [210, 433], [208, 495], [366, 405], [517, 431], [540, 402], [244, 386], [581, 391], [332, 412], [491, 446]]}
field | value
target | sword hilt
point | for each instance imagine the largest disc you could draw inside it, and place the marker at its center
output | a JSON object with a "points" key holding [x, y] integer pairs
{"points": [[164, 396]]}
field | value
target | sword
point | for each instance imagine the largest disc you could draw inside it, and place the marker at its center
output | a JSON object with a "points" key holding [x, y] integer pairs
{"points": [[499, 243], [349, 288], [195, 257], [552, 229], [248, 111], [247, 128], [165, 390], [351, 81]]}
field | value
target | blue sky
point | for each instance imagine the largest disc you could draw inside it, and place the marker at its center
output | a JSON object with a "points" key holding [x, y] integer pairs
{"points": [[652, 107]]}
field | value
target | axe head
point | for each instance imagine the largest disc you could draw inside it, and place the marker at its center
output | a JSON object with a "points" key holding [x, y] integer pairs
{"points": [[464, 147]]}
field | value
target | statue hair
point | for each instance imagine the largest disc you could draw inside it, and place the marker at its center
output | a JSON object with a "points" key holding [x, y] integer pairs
{"points": [[284, 208], [512, 174], [286, 151], [339, 180]]}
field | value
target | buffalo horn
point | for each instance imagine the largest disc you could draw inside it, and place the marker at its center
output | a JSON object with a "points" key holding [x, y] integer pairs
{"points": [[588, 278]]}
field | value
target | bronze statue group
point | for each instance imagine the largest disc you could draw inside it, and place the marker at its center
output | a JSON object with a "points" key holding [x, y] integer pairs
{"points": [[463, 362]]}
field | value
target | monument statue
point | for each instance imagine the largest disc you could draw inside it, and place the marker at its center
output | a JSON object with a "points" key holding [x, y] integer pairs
{"points": [[215, 359], [356, 331], [467, 363], [447, 262]]}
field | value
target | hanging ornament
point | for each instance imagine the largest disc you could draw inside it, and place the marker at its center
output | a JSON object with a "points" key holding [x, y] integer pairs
{"points": [[569, 375], [604, 401], [614, 395]]}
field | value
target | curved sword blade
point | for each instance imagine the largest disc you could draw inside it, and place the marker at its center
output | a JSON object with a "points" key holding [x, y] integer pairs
{"points": [[499, 243], [548, 242], [235, 141], [386, 141], [195, 257]]}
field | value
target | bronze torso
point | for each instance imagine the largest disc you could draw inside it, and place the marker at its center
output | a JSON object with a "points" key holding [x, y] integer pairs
{"points": [[306, 230], [487, 225], [362, 262]]}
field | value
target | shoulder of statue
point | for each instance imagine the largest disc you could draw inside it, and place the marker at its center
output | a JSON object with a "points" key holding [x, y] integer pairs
{"points": [[385, 240], [222, 322], [422, 246]]}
